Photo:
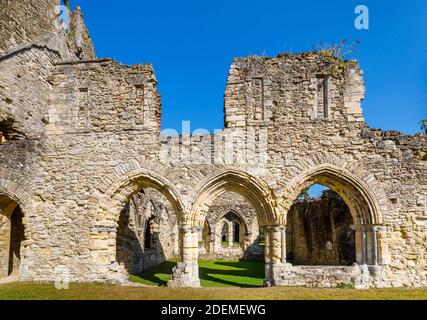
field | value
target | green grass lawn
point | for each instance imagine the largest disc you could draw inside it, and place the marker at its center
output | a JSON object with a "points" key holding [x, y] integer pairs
{"points": [[81, 291], [243, 274]]}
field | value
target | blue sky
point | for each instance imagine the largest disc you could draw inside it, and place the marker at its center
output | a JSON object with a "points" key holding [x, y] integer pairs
{"points": [[192, 43]]}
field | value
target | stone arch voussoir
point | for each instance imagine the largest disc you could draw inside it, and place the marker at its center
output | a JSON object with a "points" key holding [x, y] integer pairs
{"points": [[352, 182], [17, 189], [125, 181], [230, 179]]}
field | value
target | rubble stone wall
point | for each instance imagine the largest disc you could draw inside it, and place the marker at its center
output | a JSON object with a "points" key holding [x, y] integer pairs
{"points": [[82, 137], [319, 232]]}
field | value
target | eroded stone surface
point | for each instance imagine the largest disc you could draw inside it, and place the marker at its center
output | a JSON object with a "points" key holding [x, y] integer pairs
{"points": [[81, 137]]}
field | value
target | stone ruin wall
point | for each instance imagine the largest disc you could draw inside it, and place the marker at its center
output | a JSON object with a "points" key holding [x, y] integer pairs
{"points": [[132, 250], [63, 152], [319, 232], [23, 23], [393, 162]]}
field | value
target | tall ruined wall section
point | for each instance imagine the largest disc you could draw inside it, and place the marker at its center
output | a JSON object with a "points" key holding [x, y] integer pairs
{"points": [[101, 115], [67, 119], [33, 43], [313, 117], [79, 42]]}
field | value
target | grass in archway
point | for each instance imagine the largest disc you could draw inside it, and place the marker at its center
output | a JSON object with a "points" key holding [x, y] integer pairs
{"points": [[216, 273]]}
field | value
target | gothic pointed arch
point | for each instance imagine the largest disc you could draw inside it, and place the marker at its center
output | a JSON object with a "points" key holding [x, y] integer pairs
{"points": [[252, 188], [364, 207], [126, 185]]}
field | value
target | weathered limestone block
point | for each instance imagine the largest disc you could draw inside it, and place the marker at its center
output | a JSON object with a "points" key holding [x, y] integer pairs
{"points": [[81, 136]]}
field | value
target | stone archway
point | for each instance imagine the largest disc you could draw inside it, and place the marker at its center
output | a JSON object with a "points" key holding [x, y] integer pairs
{"points": [[108, 211], [231, 242], [253, 189], [365, 212], [14, 203], [358, 197]]}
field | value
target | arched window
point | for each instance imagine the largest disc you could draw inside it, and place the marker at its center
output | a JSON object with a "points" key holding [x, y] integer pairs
{"points": [[149, 242], [224, 234], [236, 232]]}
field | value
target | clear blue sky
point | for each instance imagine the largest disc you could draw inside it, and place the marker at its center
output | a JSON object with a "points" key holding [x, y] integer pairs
{"points": [[192, 43]]}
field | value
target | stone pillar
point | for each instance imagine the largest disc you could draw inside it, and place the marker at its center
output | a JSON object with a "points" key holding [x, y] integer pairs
{"points": [[211, 242], [283, 258], [383, 253], [186, 273], [373, 247], [360, 244], [367, 250], [370, 248], [273, 255], [230, 234]]}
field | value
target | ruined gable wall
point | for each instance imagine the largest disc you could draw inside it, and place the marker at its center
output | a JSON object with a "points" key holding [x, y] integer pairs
{"points": [[79, 41]]}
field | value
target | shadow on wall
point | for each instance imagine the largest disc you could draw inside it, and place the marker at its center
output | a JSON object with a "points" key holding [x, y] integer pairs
{"points": [[12, 235], [128, 249]]}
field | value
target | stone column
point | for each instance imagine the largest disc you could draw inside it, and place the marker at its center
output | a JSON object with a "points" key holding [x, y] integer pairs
{"points": [[370, 248], [211, 242], [373, 248], [360, 239], [230, 234], [273, 255], [186, 273], [367, 251], [283, 258], [383, 255]]}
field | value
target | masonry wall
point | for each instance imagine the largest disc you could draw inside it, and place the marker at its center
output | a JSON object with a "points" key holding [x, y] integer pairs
{"points": [[80, 130], [145, 208], [298, 141], [26, 21], [319, 232], [245, 215]]}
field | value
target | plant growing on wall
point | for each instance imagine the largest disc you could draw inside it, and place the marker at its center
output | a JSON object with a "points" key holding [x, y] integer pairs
{"points": [[67, 4], [304, 194], [423, 125], [338, 52]]}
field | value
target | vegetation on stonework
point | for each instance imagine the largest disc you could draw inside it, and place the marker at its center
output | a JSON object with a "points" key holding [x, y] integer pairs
{"points": [[343, 285], [67, 4], [304, 194], [339, 53], [423, 125]]}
